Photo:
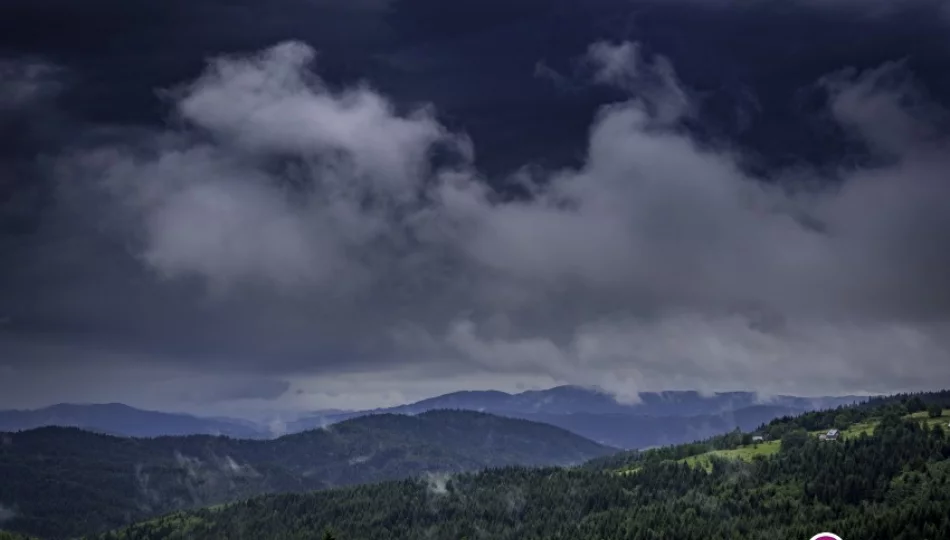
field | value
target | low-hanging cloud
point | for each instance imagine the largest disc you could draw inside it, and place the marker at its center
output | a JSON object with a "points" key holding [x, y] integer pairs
{"points": [[6, 514], [659, 263]]}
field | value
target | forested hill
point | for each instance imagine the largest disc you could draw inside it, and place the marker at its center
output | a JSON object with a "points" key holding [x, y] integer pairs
{"points": [[659, 418], [61, 482], [886, 478], [857, 417]]}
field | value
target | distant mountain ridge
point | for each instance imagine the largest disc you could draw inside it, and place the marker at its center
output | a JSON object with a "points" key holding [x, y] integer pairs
{"points": [[574, 399], [659, 418], [119, 419], [66, 482]]}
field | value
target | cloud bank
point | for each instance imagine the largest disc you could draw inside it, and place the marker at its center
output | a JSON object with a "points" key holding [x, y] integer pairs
{"points": [[312, 231]]}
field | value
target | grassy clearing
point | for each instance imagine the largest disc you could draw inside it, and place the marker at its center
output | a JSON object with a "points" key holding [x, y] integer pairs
{"points": [[941, 420], [926, 415], [744, 453]]}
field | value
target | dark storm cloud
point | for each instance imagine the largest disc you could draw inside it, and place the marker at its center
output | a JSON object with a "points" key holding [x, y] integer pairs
{"points": [[28, 124], [284, 226], [26, 84], [6, 514]]}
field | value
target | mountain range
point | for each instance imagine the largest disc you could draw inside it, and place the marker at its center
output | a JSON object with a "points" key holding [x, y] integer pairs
{"points": [[62, 482], [119, 419], [888, 477], [658, 418]]}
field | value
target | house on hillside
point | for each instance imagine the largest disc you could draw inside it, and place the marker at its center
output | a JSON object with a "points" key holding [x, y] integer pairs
{"points": [[832, 435], [757, 438]]}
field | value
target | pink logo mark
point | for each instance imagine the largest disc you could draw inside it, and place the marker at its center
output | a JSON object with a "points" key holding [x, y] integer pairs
{"points": [[826, 536]]}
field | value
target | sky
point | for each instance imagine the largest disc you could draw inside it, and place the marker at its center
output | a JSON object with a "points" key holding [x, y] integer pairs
{"points": [[232, 208]]}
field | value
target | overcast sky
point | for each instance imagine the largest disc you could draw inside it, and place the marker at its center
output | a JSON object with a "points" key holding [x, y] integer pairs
{"points": [[281, 241]]}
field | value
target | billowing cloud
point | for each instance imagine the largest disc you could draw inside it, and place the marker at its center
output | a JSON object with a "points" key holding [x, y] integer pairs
{"points": [[214, 209], [622, 65], [337, 232]]}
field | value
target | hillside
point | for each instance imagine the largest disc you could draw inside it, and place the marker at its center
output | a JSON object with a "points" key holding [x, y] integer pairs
{"points": [[890, 482], [659, 418], [741, 448], [640, 431], [64, 481], [119, 419], [858, 419]]}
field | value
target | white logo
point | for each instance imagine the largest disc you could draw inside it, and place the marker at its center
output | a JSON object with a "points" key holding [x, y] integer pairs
{"points": [[826, 536]]}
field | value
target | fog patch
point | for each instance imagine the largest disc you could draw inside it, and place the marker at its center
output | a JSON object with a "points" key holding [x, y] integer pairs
{"points": [[151, 496], [277, 427], [191, 465], [232, 467], [437, 483], [7, 513], [515, 500]]}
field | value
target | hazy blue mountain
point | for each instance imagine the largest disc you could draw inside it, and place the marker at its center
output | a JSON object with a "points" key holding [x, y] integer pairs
{"points": [[574, 400], [122, 420], [66, 482], [659, 418], [645, 431]]}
